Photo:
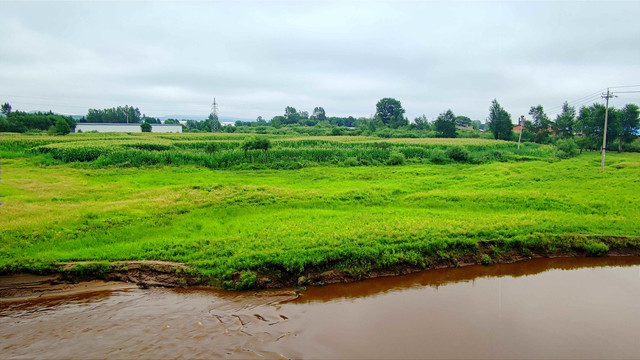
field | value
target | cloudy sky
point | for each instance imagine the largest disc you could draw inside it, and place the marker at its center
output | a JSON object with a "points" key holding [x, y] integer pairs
{"points": [[256, 58]]}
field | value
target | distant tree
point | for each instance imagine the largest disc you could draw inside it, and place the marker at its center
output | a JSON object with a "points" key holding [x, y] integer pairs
{"points": [[463, 121], [303, 115], [629, 122], [390, 112], [499, 121], [476, 124], [539, 125], [172, 122], [421, 122], [445, 125], [319, 114], [62, 127], [591, 122], [151, 120], [260, 121], [5, 108], [276, 122], [565, 122], [145, 127], [291, 116], [114, 115]]}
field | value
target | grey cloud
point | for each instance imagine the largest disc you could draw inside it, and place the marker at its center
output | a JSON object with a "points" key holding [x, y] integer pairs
{"points": [[258, 57]]}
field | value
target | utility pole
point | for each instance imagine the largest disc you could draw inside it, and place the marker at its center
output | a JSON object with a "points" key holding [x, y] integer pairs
{"points": [[606, 119], [520, 122]]}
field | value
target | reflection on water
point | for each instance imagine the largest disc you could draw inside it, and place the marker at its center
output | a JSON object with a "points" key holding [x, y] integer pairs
{"points": [[557, 308]]}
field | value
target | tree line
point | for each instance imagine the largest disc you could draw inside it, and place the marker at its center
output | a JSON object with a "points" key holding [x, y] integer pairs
{"points": [[585, 125]]}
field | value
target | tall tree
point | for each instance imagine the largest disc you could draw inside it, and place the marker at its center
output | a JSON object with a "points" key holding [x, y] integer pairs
{"points": [[539, 125], [319, 114], [629, 122], [591, 123], [62, 127], [445, 125], [291, 116], [421, 122], [499, 121], [391, 113], [565, 121], [463, 121], [5, 108], [121, 114]]}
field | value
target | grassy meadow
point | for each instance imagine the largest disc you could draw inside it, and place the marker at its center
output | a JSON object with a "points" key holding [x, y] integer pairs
{"points": [[307, 204]]}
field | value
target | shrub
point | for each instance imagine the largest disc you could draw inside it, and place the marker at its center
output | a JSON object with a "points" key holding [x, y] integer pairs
{"points": [[486, 260], [396, 158], [352, 161], [596, 249], [145, 127], [458, 153], [256, 144], [566, 148], [438, 156]]}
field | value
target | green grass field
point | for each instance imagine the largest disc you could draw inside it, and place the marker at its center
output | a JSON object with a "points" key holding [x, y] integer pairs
{"points": [[259, 214]]}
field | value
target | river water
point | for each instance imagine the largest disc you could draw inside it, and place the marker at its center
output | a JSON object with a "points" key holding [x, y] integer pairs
{"points": [[545, 308]]}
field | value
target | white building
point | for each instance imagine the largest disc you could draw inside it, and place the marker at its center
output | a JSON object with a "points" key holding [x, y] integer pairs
{"points": [[107, 127], [166, 128], [130, 128]]}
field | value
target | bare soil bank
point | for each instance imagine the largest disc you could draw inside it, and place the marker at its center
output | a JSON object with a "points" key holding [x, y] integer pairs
{"points": [[83, 277]]}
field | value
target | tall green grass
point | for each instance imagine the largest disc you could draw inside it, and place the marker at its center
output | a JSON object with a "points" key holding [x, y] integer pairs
{"points": [[222, 152]]}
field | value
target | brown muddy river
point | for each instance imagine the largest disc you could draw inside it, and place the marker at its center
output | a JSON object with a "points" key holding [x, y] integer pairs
{"points": [[557, 308]]}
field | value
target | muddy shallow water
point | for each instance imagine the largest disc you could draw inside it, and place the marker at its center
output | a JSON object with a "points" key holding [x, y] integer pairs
{"points": [[551, 308]]}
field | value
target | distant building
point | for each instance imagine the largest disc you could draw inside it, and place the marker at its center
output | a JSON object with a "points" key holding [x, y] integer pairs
{"points": [[107, 127], [121, 127]]}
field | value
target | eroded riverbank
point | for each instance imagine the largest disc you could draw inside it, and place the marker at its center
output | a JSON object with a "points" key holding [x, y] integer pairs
{"points": [[558, 308]]}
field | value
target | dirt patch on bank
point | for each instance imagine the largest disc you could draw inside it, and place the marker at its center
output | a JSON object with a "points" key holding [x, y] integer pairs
{"points": [[87, 277], [82, 277], [20, 287]]}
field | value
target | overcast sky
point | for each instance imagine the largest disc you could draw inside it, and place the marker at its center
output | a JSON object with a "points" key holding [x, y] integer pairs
{"points": [[256, 58]]}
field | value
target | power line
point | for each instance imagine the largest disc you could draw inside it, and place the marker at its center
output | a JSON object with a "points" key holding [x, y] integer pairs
{"points": [[624, 86]]}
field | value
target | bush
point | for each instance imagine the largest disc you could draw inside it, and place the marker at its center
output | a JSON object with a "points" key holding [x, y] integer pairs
{"points": [[486, 260], [596, 249], [145, 127], [566, 148], [256, 144], [352, 161], [396, 158], [438, 156], [458, 153]]}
